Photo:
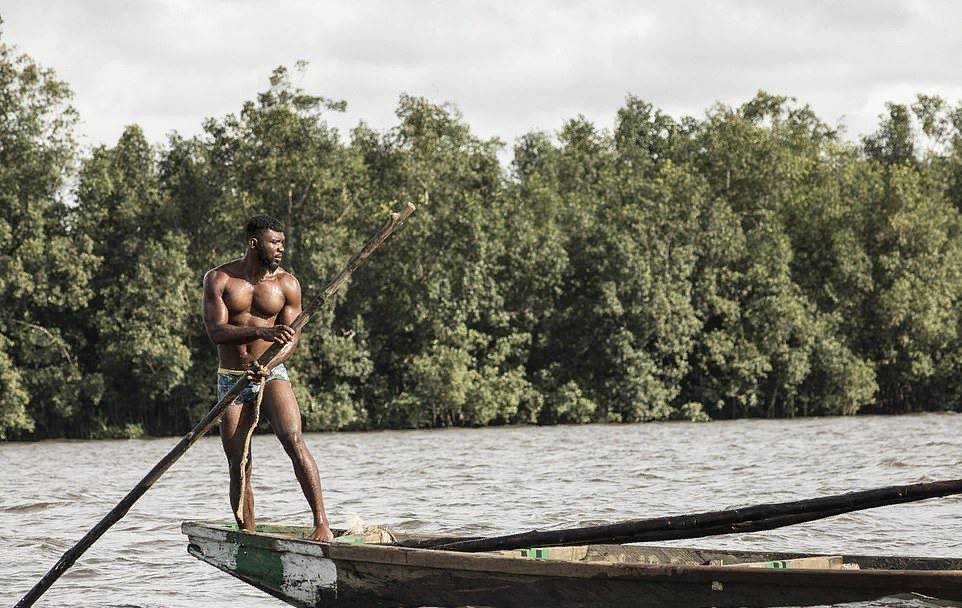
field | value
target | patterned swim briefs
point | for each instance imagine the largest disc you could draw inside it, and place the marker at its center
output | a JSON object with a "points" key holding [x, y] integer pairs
{"points": [[227, 378]]}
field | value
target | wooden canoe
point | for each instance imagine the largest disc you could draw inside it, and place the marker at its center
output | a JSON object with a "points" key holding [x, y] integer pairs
{"points": [[371, 571]]}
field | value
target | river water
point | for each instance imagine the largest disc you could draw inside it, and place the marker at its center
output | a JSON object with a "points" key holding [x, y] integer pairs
{"points": [[467, 482]]}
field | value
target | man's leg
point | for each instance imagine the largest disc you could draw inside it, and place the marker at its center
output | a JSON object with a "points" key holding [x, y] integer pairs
{"points": [[234, 426], [285, 417]]}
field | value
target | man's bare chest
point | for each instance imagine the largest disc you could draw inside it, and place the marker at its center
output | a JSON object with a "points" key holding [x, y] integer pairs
{"points": [[264, 299]]}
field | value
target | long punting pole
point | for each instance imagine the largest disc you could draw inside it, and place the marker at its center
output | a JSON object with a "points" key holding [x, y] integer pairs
{"points": [[746, 519], [209, 420]]}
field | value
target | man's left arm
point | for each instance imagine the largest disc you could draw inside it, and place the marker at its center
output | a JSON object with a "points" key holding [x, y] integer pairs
{"points": [[292, 308]]}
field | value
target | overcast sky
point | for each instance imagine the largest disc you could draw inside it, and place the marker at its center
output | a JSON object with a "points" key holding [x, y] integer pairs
{"points": [[510, 66]]}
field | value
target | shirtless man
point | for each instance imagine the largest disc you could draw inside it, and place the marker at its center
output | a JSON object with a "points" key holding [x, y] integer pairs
{"points": [[250, 303]]}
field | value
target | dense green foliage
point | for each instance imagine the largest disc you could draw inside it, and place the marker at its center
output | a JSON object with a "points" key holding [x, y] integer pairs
{"points": [[749, 263]]}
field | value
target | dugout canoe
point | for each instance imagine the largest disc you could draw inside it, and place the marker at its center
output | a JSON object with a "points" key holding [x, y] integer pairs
{"points": [[373, 570]]}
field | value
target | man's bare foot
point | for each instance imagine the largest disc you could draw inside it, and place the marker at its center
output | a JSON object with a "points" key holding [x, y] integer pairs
{"points": [[322, 533]]}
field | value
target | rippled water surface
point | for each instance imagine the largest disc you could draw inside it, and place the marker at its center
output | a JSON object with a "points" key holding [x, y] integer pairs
{"points": [[469, 482]]}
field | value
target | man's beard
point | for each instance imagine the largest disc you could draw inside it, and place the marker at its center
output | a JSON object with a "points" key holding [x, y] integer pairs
{"points": [[266, 261]]}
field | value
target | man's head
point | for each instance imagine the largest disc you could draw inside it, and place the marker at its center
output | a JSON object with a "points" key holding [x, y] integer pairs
{"points": [[265, 238]]}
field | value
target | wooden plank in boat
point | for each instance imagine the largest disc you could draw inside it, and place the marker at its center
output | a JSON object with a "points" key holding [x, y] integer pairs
{"points": [[820, 562], [573, 554]]}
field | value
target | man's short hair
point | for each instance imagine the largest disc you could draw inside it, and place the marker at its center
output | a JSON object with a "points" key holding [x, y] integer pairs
{"points": [[259, 223]]}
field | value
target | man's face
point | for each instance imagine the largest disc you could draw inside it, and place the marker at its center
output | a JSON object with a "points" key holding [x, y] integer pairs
{"points": [[270, 249]]}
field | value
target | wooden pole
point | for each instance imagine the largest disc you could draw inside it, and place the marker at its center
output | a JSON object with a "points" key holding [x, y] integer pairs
{"points": [[655, 535], [209, 420], [747, 519], [649, 537]]}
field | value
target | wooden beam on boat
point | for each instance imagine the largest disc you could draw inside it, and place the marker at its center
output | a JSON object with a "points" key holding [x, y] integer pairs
{"points": [[757, 525], [746, 519]]}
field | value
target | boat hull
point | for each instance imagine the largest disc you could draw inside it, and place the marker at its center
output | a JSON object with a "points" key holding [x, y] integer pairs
{"points": [[348, 575]]}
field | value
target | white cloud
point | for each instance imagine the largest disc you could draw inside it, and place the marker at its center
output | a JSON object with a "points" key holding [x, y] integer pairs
{"points": [[511, 67]]}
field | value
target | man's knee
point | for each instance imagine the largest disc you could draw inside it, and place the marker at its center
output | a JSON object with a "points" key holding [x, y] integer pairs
{"points": [[234, 462], [291, 440]]}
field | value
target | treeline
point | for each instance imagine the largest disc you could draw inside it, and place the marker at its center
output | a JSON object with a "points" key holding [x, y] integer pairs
{"points": [[752, 262]]}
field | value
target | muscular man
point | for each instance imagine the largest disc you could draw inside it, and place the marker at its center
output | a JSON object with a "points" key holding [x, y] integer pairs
{"points": [[248, 304]]}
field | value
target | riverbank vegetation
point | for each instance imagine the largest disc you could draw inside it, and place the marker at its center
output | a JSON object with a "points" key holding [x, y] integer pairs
{"points": [[750, 262]]}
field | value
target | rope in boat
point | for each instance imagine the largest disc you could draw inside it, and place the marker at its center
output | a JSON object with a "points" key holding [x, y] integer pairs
{"points": [[245, 455]]}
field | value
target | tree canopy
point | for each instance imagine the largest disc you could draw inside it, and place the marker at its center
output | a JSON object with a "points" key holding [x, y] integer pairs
{"points": [[749, 262]]}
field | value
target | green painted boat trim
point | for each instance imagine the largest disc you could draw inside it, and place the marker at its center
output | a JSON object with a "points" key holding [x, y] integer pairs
{"points": [[288, 570]]}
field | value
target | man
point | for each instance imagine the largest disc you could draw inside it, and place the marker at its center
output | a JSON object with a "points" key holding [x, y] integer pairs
{"points": [[250, 303]]}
